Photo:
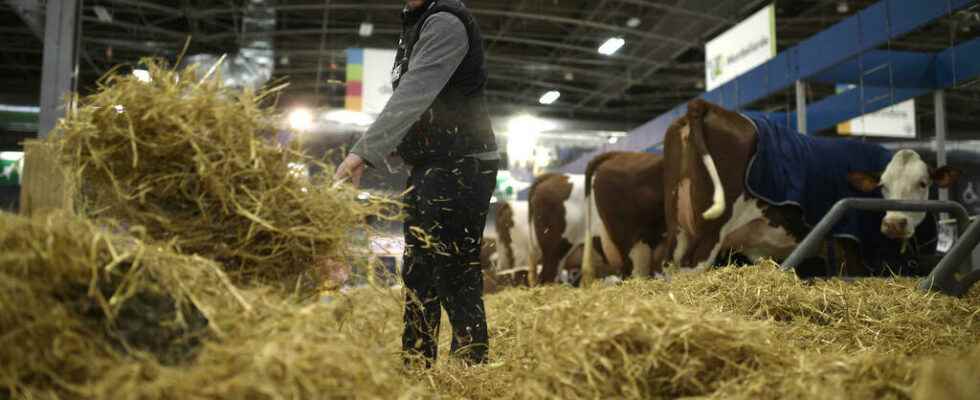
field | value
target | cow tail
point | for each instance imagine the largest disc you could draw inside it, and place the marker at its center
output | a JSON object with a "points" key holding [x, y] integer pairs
{"points": [[696, 111], [588, 271], [532, 245], [532, 259]]}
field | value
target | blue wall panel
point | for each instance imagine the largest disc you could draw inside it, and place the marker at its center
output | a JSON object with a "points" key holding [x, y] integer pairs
{"points": [[852, 42], [901, 68], [957, 64]]}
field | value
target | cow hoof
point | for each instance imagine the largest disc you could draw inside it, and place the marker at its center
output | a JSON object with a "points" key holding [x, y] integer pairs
{"points": [[612, 280]]}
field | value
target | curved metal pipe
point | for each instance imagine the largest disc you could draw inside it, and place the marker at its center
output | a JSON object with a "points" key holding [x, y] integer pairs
{"points": [[254, 63]]}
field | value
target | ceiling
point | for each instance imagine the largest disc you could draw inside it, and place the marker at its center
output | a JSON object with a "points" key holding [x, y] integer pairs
{"points": [[533, 46]]}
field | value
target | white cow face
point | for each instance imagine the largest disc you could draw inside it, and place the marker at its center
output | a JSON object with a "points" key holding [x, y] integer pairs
{"points": [[906, 177]]}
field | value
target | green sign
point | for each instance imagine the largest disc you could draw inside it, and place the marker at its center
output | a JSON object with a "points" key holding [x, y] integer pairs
{"points": [[19, 118], [507, 186], [11, 167]]}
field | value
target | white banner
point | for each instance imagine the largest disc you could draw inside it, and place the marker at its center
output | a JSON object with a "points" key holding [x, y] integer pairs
{"points": [[897, 121], [377, 79], [745, 46]]}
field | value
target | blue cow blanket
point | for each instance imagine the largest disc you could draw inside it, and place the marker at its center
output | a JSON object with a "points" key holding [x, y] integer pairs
{"points": [[810, 172]]}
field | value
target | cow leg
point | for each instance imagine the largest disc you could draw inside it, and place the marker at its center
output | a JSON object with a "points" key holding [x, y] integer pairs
{"points": [[552, 258], [706, 251], [658, 258], [612, 252], [681, 244], [849, 254], [549, 269], [532, 268], [640, 255]]}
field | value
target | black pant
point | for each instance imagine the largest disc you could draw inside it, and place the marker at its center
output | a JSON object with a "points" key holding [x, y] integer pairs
{"points": [[446, 214]]}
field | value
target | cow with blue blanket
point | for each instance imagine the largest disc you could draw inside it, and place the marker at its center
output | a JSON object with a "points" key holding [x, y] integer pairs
{"points": [[745, 183]]}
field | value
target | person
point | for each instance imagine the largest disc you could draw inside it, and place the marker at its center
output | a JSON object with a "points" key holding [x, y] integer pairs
{"points": [[437, 122]]}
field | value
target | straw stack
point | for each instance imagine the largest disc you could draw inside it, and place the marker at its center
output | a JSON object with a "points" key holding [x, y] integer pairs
{"points": [[198, 166]]}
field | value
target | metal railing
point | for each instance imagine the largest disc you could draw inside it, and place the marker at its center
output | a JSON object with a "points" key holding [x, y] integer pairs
{"points": [[943, 277]]}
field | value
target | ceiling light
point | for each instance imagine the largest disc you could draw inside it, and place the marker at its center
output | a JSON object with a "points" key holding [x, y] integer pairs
{"points": [[301, 119], [366, 30], [549, 97], [633, 22], [842, 7], [613, 140], [522, 136], [102, 14], [611, 46], [142, 75], [569, 76], [526, 123]]}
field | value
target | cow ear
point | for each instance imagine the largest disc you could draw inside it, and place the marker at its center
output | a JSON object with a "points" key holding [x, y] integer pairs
{"points": [[864, 182], [945, 176]]}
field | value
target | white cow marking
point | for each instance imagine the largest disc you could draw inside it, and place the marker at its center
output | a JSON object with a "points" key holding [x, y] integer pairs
{"points": [[522, 245]]}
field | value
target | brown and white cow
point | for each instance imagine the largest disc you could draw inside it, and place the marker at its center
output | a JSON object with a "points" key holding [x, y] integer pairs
{"points": [[557, 210], [625, 193], [707, 154]]}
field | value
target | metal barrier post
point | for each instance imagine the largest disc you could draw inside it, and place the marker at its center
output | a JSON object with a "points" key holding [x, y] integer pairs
{"points": [[942, 277]]}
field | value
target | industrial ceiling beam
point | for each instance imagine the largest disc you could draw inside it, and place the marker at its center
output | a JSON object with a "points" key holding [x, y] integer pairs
{"points": [[581, 49], [32, 13], [679, 10], [539, 83], [614, 89], [584, 23], [506, 26], [508, 39], [150, 6], [138, 27], [596, 8], [477, 11]]}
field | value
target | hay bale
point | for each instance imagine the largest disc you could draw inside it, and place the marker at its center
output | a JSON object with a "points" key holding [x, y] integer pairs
{"points": [[282, 351], [749, 332], [704, 336], [561, 342], [76, 301], [950, 377], [646, 349], [829, 376], [887, 314], [45, 183], [198, 166], [86, 313]]}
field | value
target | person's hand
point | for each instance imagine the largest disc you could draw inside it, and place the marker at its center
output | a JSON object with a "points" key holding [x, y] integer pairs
{"points": [[353, 167]]}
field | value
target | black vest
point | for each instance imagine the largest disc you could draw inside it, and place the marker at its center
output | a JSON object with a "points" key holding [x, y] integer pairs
{"points": [[457, 123]]}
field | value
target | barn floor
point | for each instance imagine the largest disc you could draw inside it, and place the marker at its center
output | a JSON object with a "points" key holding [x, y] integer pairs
{"points": [[749, 332]]}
